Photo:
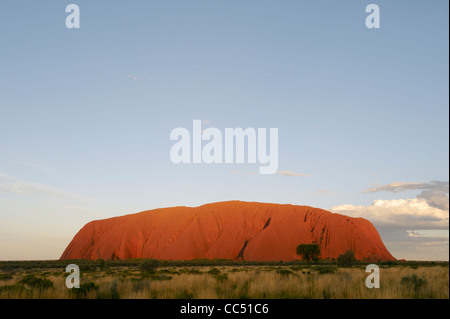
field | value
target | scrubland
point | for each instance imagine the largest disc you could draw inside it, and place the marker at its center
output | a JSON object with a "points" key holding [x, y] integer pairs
{"points": [[227, 281]]}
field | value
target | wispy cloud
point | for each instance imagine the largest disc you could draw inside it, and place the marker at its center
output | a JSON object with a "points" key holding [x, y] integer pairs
{"points": [[427, 233], [289, 173], [13, 185], [434, 192], [398, 187], [34, 163], [132, 76]]}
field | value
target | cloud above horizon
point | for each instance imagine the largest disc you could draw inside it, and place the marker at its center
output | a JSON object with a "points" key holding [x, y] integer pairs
{"points": [[411, 214], [434, 192]]}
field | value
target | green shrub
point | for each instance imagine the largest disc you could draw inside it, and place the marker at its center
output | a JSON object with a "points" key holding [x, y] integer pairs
{"points": [[326, 270], [222, 277], [160, 277], [193, 271], [347, 259], [85, 288], [414, 283], [149, 265], [284, 272], [114, 293], [36, 283], [101, 264], [294, 268], [214, 271], [12, 291], [6, 276], [185, 295], [168, 271], [111, 292]]}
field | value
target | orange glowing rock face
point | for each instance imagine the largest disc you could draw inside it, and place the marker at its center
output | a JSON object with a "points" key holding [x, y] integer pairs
{"points": [[231, 230]]}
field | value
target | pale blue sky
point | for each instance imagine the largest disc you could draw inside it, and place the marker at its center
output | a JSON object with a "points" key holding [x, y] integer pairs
{"points": [[87, 113]]}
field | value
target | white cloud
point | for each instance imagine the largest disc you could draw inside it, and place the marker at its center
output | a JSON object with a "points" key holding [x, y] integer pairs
{"points": [[414, 228], [399, 213], [413, 233], [434, 192], [132, 76]]}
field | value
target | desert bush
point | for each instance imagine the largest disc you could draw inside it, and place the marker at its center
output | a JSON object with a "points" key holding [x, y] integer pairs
{"points": [[193, 271], [214, 271], [160, 277], [414, 283], [138, 284], [294, 268], [184, 294], [13, 291], [149, 265], [326, 270], [347, 259], [36, 283], [284, 272], [5, 277], [168, 271], [82, 292], [111, 291], [222, 277], [101, 264]]}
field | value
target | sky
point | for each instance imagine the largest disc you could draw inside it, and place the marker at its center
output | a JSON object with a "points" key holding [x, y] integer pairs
{"points": [[86, 114]]}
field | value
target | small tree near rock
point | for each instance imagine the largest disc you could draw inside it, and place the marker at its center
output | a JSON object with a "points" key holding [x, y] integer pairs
{"points": [[347, 259], [308, 252]]}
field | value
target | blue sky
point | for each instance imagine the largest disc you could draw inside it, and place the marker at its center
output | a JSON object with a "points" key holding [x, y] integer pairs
{"points": [[85, 114]]}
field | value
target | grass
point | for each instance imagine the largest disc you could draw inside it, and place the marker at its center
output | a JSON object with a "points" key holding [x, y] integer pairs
{"points": [[229, 281]]}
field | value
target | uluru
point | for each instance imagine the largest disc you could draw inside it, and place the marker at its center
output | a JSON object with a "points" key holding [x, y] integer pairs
{"points": [[231, 230]]}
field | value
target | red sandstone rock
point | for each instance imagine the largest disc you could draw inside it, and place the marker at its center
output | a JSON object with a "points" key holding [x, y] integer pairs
{"points": [[220, 230]]}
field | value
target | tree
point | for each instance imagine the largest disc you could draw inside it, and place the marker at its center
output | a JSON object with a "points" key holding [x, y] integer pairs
{"points": [[347, 259], [308, 252]]}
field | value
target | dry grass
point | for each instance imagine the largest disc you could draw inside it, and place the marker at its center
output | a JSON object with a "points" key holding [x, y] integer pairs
{"points": [[238, 283]]}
